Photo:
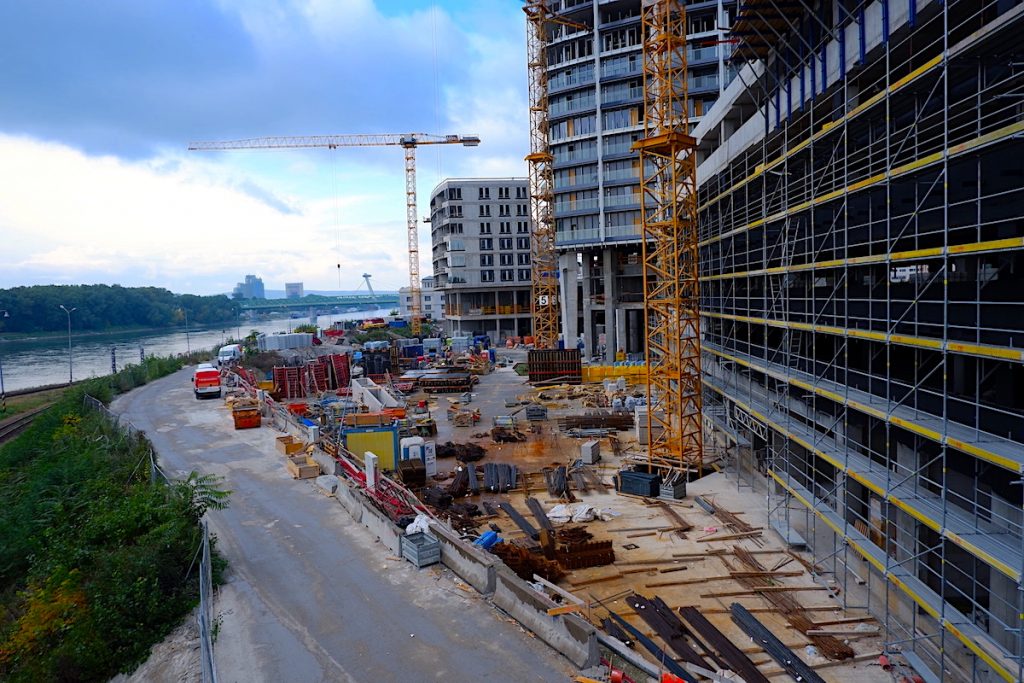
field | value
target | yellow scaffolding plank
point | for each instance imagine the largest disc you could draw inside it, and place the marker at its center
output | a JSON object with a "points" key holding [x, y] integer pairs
{"points": [[955, 150], [914, 255], [977, 451], [980, 350], [971, 643]]}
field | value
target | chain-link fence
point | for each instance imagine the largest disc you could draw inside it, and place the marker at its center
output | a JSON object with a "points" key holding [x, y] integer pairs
{"points": [[205, 619]]}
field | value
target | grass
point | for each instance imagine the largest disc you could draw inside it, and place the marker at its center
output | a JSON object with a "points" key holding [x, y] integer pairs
{"points": [[27, 402], [96, 562]]}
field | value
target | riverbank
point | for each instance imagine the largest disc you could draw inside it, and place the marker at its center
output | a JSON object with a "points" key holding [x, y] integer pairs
{"points": [[16, 337]]}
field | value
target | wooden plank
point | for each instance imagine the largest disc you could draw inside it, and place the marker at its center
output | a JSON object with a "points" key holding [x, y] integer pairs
{"points": [[766, 589], [565, 609], [845, 633], [561, 591], [729, 537], [844, 620]]}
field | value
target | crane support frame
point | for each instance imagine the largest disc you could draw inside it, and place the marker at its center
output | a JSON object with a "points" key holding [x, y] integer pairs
{"points": [[670, 253]]}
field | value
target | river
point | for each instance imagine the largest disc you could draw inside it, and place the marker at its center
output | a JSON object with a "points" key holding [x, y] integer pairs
{"points": [[39, 362]]}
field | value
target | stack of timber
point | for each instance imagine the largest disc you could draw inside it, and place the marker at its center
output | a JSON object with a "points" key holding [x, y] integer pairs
{"points": [[597, 419], [555, 366]]}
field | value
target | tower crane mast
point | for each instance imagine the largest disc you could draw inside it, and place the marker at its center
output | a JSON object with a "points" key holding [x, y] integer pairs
{"points": [[544, 304], [408, 141], [668, 180]]}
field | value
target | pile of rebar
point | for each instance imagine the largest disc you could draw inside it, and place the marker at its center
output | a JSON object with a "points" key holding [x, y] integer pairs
{"points": [[466, 452], [788, 607], [525, 564], [555, 480]]}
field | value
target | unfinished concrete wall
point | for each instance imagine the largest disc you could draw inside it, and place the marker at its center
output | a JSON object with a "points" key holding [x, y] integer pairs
{"points": [[568, 634], [472, 565]]}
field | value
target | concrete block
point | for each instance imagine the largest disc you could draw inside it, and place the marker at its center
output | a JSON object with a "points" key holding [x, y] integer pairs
{"points": [[328, 465], [379, 525], [473, 565], [347, 497], [574, 638], [328, 483]]}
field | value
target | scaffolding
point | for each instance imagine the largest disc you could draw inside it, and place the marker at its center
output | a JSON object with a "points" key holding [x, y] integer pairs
{"points": [[861, 270]]}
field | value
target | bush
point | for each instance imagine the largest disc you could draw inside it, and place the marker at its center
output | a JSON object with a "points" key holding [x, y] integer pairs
{"points": [[95, 561]]}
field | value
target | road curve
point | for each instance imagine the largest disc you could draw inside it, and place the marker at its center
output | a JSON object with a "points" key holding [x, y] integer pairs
{"points": [[311, 596]]}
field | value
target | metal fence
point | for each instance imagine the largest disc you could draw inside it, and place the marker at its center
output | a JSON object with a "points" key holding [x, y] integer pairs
{"points": [[205, 620]]}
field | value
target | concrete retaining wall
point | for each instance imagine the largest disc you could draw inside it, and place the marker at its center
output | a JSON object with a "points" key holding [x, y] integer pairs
{"points": [[568, 634], [472, 565], [571, 636]]}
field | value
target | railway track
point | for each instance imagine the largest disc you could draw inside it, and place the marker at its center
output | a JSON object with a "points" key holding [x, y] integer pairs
{"points": [[11, 427]]}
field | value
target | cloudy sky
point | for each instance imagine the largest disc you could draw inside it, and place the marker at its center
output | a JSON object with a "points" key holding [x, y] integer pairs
{"points": [[98, 101]]}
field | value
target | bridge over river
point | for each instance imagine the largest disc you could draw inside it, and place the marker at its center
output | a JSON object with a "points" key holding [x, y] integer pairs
{"points": [[367, 301]]}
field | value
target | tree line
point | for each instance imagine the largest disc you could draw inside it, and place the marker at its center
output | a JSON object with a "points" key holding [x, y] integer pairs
{"points": [[103, 307]]}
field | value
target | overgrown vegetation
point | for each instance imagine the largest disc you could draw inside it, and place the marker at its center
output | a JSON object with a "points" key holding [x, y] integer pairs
{"points": [[103, 307], [308, 328], [96, 563]]}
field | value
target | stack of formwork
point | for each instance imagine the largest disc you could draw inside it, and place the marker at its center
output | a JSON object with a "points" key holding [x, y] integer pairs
{"points": [[316, 377], [555, 366], [288, 383]]}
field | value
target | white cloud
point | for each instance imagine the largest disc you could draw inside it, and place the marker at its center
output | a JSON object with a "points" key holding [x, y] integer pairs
{"points": [[66, 216]]}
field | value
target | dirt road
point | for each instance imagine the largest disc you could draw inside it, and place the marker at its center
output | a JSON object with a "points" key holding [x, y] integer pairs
{"points": [[311, 595]]}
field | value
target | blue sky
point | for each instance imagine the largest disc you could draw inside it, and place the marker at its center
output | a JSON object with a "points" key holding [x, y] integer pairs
{"points": [[100, 100]]}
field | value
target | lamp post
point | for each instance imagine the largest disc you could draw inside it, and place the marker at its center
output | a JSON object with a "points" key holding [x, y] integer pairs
{"points": [[188, 341], [3, 394], [70, 371]]}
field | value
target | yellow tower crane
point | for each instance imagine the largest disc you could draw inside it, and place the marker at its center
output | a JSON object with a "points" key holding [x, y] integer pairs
{"points": [[408, 141], [544, 304], [668, 183]]}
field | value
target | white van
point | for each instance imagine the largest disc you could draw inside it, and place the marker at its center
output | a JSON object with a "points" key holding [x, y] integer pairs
{"points": [[232, 353]]}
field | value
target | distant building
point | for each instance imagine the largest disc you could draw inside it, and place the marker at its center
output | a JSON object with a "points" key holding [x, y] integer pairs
{"points": [[480, 246], [251, 288], [432, 300], [293, 290]]}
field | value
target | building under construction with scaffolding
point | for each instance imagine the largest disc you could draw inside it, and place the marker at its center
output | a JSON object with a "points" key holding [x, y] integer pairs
{"points": [[861, 216]]}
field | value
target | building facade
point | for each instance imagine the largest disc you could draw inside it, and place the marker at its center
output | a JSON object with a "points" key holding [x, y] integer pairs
{"points": [[293, 290], [480, 248], [596, 114], [862, 269], [432, 300], [250, 288]]}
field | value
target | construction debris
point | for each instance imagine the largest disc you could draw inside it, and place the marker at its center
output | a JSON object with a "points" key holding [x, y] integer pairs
{"points": [[525, 564], [465, 452]]}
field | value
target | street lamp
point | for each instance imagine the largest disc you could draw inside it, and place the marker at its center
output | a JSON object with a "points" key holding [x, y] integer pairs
{"points": [[3, 394], [188, 342], [69, 312]]}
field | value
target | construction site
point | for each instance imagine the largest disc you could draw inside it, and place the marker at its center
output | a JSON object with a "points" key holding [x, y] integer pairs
{"points": [[772, 431]]}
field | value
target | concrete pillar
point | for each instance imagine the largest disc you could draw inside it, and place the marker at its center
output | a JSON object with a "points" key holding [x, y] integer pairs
{"points": [[611, 295], [589, 339], [620, 328], [569, 271]]}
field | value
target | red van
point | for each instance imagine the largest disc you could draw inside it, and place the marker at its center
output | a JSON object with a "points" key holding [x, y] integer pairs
{"points": [[206, 381]]}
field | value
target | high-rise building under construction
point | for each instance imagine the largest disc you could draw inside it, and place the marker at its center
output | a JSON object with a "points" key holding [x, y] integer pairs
{"points": [[595, 110], [861, 205]]}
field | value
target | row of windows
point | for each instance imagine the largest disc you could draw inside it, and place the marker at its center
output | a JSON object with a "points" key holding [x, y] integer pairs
{"points": [[503, 193], [508, 275], [505, 259], [425, 297], [503, 210], [504, 243], [505, 228]]}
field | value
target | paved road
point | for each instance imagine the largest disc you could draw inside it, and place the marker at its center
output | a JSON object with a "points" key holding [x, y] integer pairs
{"points": [[311, 595]]}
